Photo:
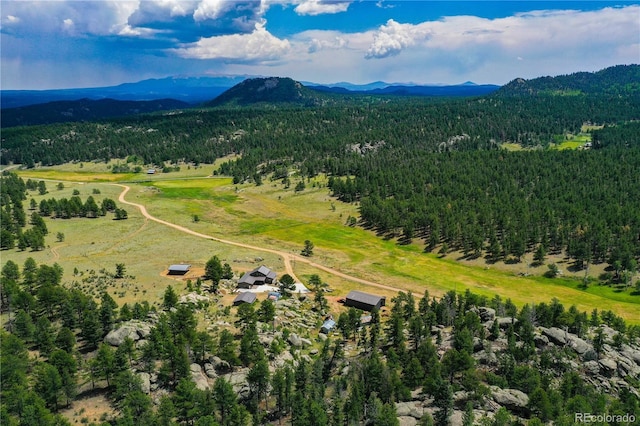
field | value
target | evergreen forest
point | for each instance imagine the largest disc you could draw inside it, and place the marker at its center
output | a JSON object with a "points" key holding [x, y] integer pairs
{"points": [[422, 169]]}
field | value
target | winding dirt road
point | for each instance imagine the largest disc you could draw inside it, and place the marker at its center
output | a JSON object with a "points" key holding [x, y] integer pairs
{"points": [[287, 258]]}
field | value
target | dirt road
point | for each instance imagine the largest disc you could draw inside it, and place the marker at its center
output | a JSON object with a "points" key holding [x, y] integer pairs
{"points": [[287, 258]]}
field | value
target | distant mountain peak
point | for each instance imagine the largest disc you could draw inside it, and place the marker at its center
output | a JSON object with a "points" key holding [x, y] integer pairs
{"points": [[268, 90]]}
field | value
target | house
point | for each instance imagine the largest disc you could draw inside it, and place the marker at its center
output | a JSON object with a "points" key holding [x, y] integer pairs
{"points": [[244, 297], [327, 326], [259, 276], [364, 301], [180, 269]]}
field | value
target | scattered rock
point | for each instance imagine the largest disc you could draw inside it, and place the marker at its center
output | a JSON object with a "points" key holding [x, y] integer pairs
{"points": [[295, 340], [193, 298], [131, 330], [198, 377], [407, 421], [486, 314], [478, 345], [513, 399], [265, 340], [145, 382], [210, 371], [555, 335], [607, 367], [408, 409], [456, 418], [505, 322], [238, 380], [631, 353], [540, 341], [592, 367], [577, 344], [219, 364]]}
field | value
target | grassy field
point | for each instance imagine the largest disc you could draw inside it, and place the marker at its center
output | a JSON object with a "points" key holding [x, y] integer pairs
{"points": [[273, 217]]}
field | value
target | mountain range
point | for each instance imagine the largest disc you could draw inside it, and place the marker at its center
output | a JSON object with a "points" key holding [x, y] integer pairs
{"points": [[196, 90], [184, 92]]}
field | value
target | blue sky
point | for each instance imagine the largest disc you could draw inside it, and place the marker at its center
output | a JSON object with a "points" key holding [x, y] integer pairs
{"points": [[65, 44]]}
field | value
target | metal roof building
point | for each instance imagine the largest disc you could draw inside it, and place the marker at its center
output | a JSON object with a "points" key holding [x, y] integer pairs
{"points": [[364, 301], [244, 297], [259, 276], [327, 326], [180, 269]]}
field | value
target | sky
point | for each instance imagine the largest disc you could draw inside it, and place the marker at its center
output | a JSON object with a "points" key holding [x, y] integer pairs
{"points": [[55, 44]]}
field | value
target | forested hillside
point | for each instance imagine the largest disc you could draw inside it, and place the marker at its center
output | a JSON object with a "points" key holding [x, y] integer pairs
{"points": [[621, 80], [82, 110], [462, 358]]}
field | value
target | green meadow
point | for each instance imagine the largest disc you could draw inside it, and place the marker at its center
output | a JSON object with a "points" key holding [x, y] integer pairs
{"points": [[273, 217]]}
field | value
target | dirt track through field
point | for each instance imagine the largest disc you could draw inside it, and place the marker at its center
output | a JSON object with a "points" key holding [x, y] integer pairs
{"points": [[287, 258]]}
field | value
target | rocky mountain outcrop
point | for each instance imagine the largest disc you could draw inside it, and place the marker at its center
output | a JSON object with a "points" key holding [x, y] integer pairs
{"points": [[134, 330]]}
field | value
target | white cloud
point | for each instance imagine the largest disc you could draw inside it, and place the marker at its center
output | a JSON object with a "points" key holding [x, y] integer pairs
{"points": [[535, 35], [10, 19], [393, 37], [337, 42], [319, 7], [258, 46], [211, 9]]}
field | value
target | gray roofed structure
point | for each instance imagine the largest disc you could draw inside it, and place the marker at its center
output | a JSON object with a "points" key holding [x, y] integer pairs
{"points": [[179, 269], [327, 326], [364, 301], [245, 297], [259, 276]]}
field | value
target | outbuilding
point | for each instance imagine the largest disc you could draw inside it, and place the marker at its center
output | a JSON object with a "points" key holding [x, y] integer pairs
{"points": [[244, 297], [180, 269], [364, 301], [327, 326]]}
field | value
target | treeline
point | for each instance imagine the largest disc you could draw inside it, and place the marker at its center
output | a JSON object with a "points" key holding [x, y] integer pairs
{"points": [[13, 217], [394, 358], [503, 204], [315, 134]]}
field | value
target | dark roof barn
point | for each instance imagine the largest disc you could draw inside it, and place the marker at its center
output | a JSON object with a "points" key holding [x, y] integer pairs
{"points": [[364, 301]]}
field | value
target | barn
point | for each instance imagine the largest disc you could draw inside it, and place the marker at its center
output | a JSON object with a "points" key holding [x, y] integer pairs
{"points": [[364, 301]]}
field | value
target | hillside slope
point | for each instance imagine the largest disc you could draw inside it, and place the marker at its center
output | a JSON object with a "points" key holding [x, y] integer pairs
{"points": [[620, 80], [83, 110]]}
